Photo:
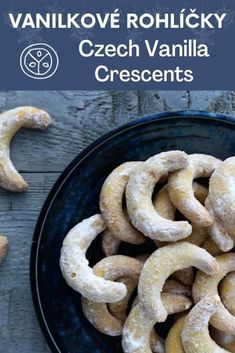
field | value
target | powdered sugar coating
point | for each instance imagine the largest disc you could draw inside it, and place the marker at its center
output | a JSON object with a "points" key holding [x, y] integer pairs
{"points": [[138, 326], [111, 204], [217, 230], [195, 334], [222, 194], [206, 285], [10, 122], [139, 192], [160, 265], [181, 190], [75, 267]]}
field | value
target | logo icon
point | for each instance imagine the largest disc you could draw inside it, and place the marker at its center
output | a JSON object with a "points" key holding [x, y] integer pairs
{"points": [[39, 61]]}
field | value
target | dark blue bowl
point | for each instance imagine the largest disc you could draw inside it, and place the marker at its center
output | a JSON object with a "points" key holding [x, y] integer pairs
{"points": [[75, 196]]}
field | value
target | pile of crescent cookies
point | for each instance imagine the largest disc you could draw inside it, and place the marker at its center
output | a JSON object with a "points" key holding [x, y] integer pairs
{"points": [[191, 274]]}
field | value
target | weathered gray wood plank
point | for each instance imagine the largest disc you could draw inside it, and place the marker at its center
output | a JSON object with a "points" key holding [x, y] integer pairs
{"points": [[157, 101], [81, 117], [20, 330]]}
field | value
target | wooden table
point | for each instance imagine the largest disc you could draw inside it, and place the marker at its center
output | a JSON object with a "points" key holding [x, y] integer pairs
{"points": [[79, 118]]}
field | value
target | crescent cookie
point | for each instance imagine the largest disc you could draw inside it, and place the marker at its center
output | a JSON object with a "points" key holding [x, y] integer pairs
{"points": [[221, 193], [160, 265], [75, 267], [217, 230], [195, 334], [139, 192], [223, 339], [10, 122], [227, 292], [111, 204], [205, 285], [180, 187], [138, 326], [173, 343]]}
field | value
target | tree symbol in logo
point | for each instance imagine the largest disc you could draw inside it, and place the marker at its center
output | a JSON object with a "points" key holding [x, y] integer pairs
{"points": [[39, 61]]}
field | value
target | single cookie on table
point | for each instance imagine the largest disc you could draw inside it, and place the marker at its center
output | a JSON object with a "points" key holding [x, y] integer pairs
{"points": [[10, 122]]}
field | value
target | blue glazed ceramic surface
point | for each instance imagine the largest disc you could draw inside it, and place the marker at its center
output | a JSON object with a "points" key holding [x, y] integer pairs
{"points": [[75, 197]]}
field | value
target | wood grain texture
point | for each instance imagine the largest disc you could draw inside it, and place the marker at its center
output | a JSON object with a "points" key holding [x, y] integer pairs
{"points": [[79, 118]]}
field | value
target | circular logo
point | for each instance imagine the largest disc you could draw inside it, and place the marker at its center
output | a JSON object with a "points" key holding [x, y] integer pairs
{"points": [[39, 61]]}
